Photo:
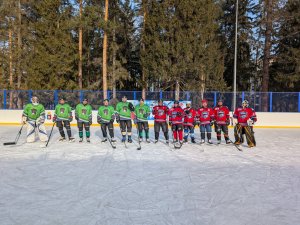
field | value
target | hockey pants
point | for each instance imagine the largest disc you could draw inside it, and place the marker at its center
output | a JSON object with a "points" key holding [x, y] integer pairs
{"points": [[126, 125], [61, 124], [219, 128], [177, 131], [107, 126], [86, 126], [143, 126], [164, 127]]}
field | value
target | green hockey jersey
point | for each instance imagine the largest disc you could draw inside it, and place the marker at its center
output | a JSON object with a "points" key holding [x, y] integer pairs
{"points": [[105, 114], [83, 113], [63, 112], [124, 110], [33, 112], [142, 112]]}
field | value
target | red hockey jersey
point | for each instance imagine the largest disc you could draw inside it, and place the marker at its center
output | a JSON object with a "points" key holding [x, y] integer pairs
{"points": [[176, 115], [205, 115], [244, 114], [160, 113], [221, 114], [189, 116]]}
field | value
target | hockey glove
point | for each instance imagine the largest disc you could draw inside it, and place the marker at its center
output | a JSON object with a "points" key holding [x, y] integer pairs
{"points": [[24, 119], [178, 113], [40, 120], [54, 119], [146, 115], [130, 106], [70, 118], [211, 123], [112, 120], [170, 123], [99, 119], [227, 122], [134, 120], [118, 119], [187, 111]]}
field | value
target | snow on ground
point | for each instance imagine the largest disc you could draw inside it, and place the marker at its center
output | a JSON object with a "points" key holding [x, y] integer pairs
{"points": [[93, 184]]}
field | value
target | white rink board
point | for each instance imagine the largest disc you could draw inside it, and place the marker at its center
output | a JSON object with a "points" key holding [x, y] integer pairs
{"points": [[92, 184], [264, 119]]}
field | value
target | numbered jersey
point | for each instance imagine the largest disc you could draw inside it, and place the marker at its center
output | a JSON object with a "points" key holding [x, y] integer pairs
{"points": [[83, 112], [221, 114], [244, 114], [124, 110], [189, 116], [205, 115], [106, 113], [176, 115], [63, 112], [142, 112], [33, 112], [160, 113]]}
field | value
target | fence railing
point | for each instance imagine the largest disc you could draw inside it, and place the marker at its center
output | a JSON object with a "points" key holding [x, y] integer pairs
{"points": [[260, 101]]}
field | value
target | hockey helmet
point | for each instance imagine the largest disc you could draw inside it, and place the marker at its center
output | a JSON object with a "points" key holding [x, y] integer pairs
{"points": [[245, 102]]}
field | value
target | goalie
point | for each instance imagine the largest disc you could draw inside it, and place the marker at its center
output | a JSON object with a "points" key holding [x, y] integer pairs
{"points": [[245, 118], [34, 117]]}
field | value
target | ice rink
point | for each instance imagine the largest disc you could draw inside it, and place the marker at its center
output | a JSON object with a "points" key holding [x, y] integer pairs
{"points": [[89, 184]]}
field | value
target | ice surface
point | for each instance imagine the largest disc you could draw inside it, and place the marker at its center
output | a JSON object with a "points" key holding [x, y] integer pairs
{"points": [[89, 184]]}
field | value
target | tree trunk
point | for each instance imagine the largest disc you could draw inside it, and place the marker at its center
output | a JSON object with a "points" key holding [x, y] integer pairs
{"points": [[267, 50], [80, 48], [10, 67], [144, 83], [104, 69], [202, 83], [114, 62], [177, 90], [19, 70]]}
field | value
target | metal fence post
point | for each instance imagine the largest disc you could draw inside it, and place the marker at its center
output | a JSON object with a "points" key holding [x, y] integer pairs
{"points": [[299, 102], [215, 98], [81, 96], [55, 97], [243, 96], [4, 98], [29, 95], [134, 95], [108, 94], [270, 102], [160, 95]]}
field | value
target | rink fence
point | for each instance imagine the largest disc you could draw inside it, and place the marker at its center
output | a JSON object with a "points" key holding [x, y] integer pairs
{"points": [[275, 101]]}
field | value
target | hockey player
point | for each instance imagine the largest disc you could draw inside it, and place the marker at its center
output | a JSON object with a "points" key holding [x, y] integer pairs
{"points": [[106, 117], [34, 117], [124, 110], [142, 111], [63, 117], [245, 118], [160, 113], [176, 114], [221, 117], [189, 122], [83, 115], [206, 116]]}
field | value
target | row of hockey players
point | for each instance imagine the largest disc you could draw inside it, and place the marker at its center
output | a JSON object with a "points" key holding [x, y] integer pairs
{"points": [[182, 121]]}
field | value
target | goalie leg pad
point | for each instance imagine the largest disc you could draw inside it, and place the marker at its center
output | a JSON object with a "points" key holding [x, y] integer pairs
{"points": [[42, 132], [30, 132]]}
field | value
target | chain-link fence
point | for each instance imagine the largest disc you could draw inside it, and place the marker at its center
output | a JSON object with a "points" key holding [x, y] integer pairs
{"points": [[261, 102]]}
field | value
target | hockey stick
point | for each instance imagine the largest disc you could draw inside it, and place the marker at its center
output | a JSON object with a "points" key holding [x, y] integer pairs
{"points": [[17, 137], [50, 135], [112, 145]]}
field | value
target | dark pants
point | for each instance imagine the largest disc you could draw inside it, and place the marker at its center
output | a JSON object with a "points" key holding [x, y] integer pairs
{"points": [[126, 126], [61, 124], [189, 130], [207, 128], [86, 126], [143, 126], [107, 126], [219, 128], [239, 131], [164, 127]]}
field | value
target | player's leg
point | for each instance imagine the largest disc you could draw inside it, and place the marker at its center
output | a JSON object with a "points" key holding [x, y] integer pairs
{"points": [[104, 131], [42, 132], [208, 133], [186, 133], [202, 133], [111, 131], [30, 125], [129, 130], [60, 126], [238, 134], [180, 132], [87, 131], [123, 130], [249, 136], [192, 133], [175, 135], [80, 130], [165, 129], [67, 125], [218, 132], [140, 130], [146, 128], [156, 130], [225, 132]]}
